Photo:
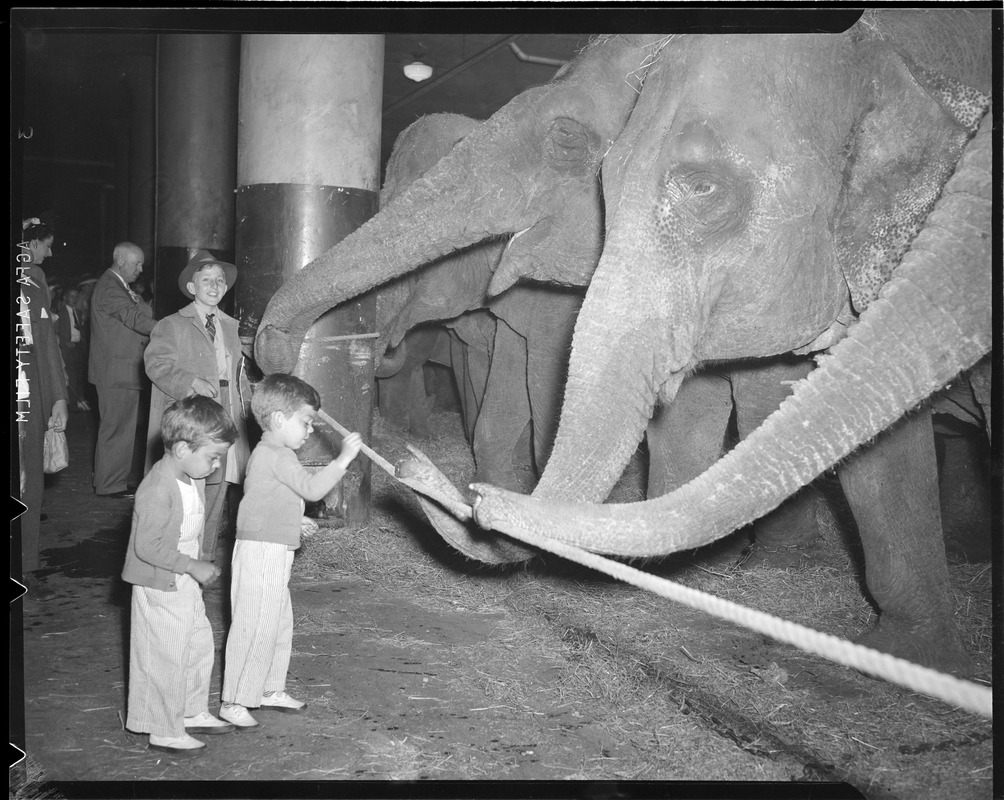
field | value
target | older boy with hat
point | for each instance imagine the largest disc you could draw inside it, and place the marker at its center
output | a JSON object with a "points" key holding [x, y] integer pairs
{"points": [[197, 351]]}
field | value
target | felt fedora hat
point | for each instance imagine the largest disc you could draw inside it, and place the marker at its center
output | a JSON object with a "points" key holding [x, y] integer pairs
{"points": [[197, 262]]}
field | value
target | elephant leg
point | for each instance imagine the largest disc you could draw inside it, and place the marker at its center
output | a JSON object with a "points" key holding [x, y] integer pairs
{"points": [[545, 370], [892, 488], [461, 375], [790, 534], [419, 405], [477, 366], [504, 415], [981, 381], [964, 485], [472, 337], [394, 400], [688, 435]]}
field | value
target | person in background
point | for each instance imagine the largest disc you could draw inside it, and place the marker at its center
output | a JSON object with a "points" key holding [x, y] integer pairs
{"points": [[56, 296], [120, 328], [86, 289], [171, 646], [40, 393], [197, 351], [74, 348]]}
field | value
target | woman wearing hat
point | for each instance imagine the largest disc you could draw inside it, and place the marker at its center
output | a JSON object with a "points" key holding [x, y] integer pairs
{"points": [[197, 351]]}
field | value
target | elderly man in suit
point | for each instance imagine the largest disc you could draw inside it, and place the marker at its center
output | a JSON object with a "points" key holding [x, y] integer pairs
{"points": [[197, 351], [120, 329]]}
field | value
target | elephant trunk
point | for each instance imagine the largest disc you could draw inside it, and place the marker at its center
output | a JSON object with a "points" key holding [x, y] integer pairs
{"points": [[932, 320], [392, 360], [600, 430], [626, 355], [435, 216]]}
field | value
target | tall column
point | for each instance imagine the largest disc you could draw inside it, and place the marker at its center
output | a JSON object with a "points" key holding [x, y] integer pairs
{"points": [[120, 134], [308, 172], [197, 84], [141, 154]]}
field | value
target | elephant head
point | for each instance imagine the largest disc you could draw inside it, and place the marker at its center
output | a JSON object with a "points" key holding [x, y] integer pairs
{"points": [[448, 286], [764, 188], [928, 324], [515, 173]]}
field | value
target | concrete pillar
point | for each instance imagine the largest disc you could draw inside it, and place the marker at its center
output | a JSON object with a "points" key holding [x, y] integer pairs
{"points": [[120, 133], [134, 161], [308, 171], [141, 154], [197, 84]]}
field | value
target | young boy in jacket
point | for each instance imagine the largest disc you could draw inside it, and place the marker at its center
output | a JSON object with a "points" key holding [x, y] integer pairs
{"points": [[170, 639], [196, 351]]}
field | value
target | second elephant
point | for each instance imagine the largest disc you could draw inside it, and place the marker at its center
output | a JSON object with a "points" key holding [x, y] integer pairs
{"points": [[508, 352]]}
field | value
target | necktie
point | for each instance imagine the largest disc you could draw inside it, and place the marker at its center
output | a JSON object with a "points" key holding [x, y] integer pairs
{"points": [[211, 326]]}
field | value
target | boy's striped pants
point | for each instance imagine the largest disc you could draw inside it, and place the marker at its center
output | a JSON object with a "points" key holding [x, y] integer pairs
{"points": [[170, 658], [260, 641]]}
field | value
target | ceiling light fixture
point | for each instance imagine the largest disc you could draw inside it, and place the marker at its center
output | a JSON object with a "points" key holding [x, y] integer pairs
{"points": [[417, 71]]}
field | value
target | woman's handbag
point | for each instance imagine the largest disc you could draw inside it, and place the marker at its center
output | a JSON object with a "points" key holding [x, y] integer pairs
{"points": [[55, 453]]}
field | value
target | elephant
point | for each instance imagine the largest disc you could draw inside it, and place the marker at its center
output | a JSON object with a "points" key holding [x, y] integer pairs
{"points": [[763, 193], [758, 193], [401, 390], [443, 289], [508, 352]]}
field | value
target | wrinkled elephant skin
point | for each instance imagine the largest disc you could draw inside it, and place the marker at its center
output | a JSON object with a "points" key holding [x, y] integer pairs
{"points": [[760, 196]]}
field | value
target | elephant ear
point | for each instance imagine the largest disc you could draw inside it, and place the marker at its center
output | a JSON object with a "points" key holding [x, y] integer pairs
{"points": [[901, 152], [419, 147]]}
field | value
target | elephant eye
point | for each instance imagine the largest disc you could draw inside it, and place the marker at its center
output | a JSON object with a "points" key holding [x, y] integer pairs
{"points": [[703, 189], [570, 142], [712, 200]]}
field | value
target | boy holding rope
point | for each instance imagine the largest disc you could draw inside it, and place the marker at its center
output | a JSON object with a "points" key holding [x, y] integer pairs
{"points": [[269, 524]]}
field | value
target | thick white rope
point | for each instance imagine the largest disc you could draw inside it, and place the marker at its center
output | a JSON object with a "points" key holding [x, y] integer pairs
{"points": [[964, 694]]}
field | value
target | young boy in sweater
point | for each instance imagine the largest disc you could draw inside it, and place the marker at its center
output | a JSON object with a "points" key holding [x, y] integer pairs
{"points": [[170, 639], [269, 523]]}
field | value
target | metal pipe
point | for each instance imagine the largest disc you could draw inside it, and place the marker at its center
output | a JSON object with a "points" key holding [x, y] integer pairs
{"points": [[549, 62]]}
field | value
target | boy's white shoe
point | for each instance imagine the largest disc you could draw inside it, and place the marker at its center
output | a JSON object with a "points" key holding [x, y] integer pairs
{"points": [[238, 715], [280, 701], [207, 723], [177, 745]]}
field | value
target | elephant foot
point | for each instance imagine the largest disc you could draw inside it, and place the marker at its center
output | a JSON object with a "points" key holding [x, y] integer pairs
{"points": [[936, 645], [792, 536]]}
